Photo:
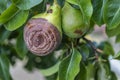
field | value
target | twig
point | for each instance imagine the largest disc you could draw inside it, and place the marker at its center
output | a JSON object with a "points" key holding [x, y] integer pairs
{"points": [[93, 46]]}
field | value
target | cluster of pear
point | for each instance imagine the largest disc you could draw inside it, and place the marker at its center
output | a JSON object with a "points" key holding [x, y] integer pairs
{"points": [[43, 32]]}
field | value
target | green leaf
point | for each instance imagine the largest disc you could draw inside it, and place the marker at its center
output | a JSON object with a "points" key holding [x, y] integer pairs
{"points": [[20, 46], [70, 66], [108, 49], [113, 76], [83, 73], [103, 72], [98, 9], [117, 56], [113, 32], [112, 13], [3, 5], [8, 14], [26, 4], [85, 7], [84, 51], [4, 67], [90, 68], [117, 38], [75, 2], [91, 29], [87, 10], [4, 35], [15, 1], [50, 71], [17, 21]]}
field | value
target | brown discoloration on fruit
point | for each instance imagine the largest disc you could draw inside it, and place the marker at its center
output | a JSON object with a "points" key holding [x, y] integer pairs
{"points": [[41, 37], [29, 25], [78, 32]]}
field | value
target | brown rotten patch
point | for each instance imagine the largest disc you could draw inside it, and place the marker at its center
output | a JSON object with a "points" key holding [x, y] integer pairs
{"points": [[41, 37], [78, 32]]}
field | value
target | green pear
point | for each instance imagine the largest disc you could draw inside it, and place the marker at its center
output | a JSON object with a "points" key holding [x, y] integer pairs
{"points": [[53, 15], [72, 22]]}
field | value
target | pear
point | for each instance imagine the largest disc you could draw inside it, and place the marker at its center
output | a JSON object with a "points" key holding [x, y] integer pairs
{"points": [[42, 33], [72, 22]]}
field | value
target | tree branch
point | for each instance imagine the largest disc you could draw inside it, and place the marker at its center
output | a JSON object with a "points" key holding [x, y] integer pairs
{"points": [[93, 46]]}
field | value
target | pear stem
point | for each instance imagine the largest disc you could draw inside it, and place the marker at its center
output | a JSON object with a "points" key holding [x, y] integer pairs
{"points": [[47, 6]]}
